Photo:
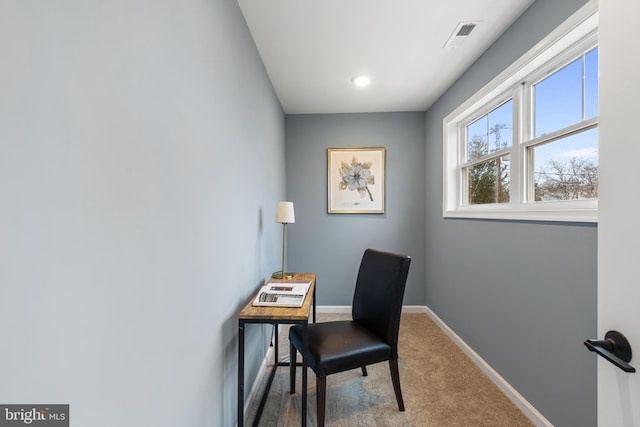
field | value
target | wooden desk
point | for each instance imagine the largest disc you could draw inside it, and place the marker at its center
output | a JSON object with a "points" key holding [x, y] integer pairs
{"points": [[275, 316]]}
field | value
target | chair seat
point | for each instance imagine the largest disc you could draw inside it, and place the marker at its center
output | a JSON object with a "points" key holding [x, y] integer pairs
{"points": [[339, 346]]}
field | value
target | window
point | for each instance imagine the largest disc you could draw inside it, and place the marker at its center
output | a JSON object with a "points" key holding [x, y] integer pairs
{"points": [[563, 152], [488, 142], [526, 145]]}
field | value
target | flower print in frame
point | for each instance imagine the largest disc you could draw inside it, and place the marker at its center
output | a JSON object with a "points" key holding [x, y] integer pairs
{"points": [[355, 180]]}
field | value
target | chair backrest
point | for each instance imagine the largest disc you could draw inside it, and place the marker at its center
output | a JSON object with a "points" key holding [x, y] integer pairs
{"points": [[377, 301]]}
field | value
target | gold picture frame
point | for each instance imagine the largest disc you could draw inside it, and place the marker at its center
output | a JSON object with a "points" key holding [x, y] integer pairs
{"points": [[356, 180]]}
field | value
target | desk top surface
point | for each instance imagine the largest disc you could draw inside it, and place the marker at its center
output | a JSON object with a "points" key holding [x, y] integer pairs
{"points": [[251, 312]]}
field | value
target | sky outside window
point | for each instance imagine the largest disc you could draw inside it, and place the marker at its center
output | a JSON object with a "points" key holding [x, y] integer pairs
{"points": [[568, 96]]}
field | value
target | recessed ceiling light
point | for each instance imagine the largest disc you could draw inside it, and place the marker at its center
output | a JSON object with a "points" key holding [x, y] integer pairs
{"points": [[361, 81]]}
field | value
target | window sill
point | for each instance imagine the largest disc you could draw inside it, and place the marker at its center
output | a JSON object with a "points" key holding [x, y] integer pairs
{"points": [[586, 211]]}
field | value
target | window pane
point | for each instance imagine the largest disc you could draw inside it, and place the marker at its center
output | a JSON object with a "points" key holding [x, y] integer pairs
{"points": [[567, 169], [558, 99], [489, 182], [491, 132], [500, 127], [591, 84], [477, 145]]}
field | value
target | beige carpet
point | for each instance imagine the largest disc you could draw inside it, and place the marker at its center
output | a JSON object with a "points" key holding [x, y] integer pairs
{"points": [[440, 386]]}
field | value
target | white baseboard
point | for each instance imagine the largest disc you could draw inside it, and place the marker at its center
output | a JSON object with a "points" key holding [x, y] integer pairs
{"points": [[414, 309], [532, 413], [256, 383], [529, 410], [341, 309], [335, 309]]}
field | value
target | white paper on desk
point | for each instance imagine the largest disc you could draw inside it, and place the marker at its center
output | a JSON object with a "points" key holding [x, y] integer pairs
{"points": [[282, 294]]}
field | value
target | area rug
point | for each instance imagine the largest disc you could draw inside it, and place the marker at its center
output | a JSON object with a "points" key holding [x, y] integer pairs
{"points": [[441, 386]]}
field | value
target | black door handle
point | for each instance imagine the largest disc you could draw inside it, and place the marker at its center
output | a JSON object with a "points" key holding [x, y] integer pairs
{"points": [[615, 348]]}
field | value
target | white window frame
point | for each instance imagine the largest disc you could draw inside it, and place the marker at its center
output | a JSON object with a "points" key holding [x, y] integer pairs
{"points": [[576, 34]]}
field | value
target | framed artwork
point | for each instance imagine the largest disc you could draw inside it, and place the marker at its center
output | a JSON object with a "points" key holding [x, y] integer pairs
{"points": [[355, 180]]}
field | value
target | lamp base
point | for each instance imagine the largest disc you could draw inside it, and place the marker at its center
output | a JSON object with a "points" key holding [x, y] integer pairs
{"points": [[282, 275]]}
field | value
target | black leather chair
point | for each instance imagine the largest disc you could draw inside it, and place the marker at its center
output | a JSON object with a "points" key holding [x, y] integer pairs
{"points": [[372, 335]]}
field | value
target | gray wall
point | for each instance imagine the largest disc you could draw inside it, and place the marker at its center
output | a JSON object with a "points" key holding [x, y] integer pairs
{"points": [[332, 244], [133, 223], [521, 294]]}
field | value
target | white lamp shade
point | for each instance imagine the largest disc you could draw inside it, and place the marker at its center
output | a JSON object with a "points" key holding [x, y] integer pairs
{"points": [[285, 213]]}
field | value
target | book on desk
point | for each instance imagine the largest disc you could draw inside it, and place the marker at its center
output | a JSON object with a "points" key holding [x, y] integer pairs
{"points": [[282, 294]]}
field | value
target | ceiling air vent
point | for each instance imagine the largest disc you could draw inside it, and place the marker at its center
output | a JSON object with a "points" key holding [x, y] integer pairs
{"points": [[465, 30], [460, 34]]}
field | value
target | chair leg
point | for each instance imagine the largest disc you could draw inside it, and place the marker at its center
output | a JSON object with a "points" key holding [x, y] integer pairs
{"points": [[395, 378], [364, 371], [321, 393], [293, 353]]}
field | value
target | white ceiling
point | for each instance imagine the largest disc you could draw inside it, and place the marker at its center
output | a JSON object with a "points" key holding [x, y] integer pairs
{"points": [[313, 48]]}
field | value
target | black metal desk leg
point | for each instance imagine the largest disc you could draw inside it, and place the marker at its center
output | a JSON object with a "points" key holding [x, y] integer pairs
{"points": [[240, 374], [275, 348], [304, 375]]}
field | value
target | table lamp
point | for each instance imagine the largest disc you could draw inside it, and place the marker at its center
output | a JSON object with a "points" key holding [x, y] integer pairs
{"points": [[284, 215]]}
